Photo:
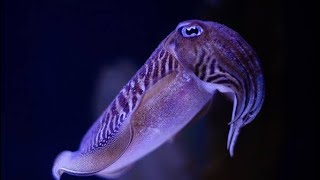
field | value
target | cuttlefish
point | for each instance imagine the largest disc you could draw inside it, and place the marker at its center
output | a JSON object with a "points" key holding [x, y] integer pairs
{"points": [[174, 86]]}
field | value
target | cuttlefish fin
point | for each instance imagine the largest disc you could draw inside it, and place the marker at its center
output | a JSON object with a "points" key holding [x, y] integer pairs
{"points": [[114, 174], [202, 112], [197, 117], [88, 163]]}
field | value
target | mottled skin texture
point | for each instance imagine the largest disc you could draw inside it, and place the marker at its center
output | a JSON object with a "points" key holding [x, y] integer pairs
{"points": [[179, 79]]}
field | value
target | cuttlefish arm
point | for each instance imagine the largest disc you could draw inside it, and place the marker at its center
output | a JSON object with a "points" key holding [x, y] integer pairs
{"points": [[224, 61], [174, 86]]}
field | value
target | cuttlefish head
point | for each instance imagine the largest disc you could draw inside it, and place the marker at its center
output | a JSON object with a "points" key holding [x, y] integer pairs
{"points": [[220, 57]]}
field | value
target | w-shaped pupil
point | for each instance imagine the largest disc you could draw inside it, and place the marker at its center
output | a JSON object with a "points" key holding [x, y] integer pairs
{"points": [[192, 31]]}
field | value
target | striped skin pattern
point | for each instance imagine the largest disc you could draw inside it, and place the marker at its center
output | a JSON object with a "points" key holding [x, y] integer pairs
{"points": [[228, 62], [208, 69], [160, 64], [174, 86]]}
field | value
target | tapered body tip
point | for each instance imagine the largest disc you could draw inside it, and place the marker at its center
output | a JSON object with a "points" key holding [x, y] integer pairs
{"points": [[59, 164]]}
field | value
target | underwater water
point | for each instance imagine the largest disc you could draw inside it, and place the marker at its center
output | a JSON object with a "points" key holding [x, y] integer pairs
{"points": [[64, 61]]}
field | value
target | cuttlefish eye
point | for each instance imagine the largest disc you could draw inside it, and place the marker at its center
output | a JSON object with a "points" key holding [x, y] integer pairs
{"points": [[191, 31]]}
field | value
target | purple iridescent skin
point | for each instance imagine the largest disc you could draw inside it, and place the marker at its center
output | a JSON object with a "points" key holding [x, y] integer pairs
{"points": [[179, 79]]}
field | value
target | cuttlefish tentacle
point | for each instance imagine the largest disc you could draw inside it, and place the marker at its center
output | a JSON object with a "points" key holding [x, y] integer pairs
{"points": [[245, 79], [175, 84], [230, 65]]}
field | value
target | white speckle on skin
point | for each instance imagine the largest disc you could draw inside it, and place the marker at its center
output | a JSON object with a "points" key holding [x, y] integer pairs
{"points": [[186, 77], [154, 130]]}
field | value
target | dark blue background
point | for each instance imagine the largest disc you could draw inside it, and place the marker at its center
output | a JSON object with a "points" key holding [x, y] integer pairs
{"points": [[51, 51]]}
